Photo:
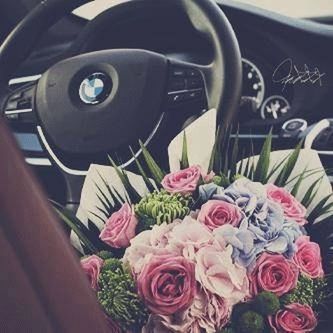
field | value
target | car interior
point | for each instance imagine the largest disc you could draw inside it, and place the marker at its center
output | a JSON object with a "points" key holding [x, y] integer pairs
{"points": [[261, 70]]}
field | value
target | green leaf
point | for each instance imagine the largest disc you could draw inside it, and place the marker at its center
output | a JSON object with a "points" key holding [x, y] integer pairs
{"points": [[311, 193], [276, 167], [289, 166], [184, 163], [76, 226], [214, 155], [261, 170], [154, 169], [131, 191], [234, 155], [298, 183], [145, 178], [321, 208]]}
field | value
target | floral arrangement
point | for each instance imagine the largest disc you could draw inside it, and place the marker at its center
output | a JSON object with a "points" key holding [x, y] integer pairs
{"points": [[224, 250]]}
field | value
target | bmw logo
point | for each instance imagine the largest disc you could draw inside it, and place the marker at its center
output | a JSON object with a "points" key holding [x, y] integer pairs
{"points": [[95, 88]]}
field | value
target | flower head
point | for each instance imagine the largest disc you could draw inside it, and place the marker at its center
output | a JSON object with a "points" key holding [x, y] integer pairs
{"points": [[293, 210], [120, 228], [92, 267], [167, 284], [184, 181], [294, 318]]}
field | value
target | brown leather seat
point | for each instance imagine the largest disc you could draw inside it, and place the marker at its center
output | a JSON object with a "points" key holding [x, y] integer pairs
{"points": [[42, 288]]}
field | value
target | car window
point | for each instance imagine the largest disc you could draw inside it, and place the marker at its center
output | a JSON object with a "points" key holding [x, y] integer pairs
{"points": [[294, 8]]}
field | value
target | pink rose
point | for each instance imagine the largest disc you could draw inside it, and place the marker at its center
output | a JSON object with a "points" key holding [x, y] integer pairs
{"points": [[308, 258], [275, 273], [217, 273], [167, 284], [183, 181], [295, 318], [92, 266], [120, 227], [215, 213], [292, 208]]}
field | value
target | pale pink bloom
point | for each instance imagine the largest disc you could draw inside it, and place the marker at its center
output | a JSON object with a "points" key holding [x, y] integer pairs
{"points": [[120, 228], [217, 273], [184, 181], [92, 267]]}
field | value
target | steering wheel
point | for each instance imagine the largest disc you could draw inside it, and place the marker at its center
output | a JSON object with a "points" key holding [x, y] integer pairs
{"points": [[95, 103]]}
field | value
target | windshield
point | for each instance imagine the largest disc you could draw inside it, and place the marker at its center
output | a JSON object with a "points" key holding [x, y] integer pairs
{"points": [[296, 8], [292, 8]]}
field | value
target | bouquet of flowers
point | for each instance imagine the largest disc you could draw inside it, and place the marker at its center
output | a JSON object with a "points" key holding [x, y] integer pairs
{"points": [[234, 248]]}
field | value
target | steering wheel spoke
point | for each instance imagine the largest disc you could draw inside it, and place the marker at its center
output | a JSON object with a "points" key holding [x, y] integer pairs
{"points": [[18, 107]]}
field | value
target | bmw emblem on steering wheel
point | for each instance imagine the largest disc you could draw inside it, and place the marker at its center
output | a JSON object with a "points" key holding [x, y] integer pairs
{"points": [[95, 88]]}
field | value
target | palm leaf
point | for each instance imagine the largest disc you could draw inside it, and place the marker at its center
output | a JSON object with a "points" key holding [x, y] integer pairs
{"points": [[289, 166], [156, 172], [276, 167], [131, 191], [234, 155], [311, 193], [298, 183], [145, 178], [83, 233], [184, 163], [261, 170]]}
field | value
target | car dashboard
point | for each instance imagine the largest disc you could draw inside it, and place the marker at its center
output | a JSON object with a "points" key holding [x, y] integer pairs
{"points": [[287, 63]]}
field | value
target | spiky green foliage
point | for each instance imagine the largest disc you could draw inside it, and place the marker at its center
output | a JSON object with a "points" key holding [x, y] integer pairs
{"points": [[118, 297], [161, 206], [156, 172], [261, 170], [184, 163], [267, 303], [133, 195], [251, 322], [307, 291]]}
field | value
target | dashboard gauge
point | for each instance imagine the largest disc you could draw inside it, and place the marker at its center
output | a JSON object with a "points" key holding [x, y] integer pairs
{"points": [[275, 107], [253, 83]]}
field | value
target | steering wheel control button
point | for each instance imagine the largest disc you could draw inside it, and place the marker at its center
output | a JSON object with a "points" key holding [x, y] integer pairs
{"points": [[177, 84], [178, 72], [194, 83], [95, 88]]}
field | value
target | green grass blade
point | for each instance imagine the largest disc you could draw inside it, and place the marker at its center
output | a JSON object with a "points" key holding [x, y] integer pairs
{"points": [[76, 226], [298, 183], [311, 193], [261, 170], [156, 172], [131, 191], [184, 163], [289, 166], [143, 174]]}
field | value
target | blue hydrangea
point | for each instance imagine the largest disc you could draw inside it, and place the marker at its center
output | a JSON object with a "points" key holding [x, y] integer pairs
{"points": [[263, 229]]}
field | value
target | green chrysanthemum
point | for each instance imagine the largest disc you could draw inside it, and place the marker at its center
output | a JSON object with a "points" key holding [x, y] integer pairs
{"points": [[267, 303], [160, 206], [118, 297], [251, 322]]}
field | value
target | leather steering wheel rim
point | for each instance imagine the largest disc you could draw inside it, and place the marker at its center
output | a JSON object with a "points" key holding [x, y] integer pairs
{"points": [[222, 77]]}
